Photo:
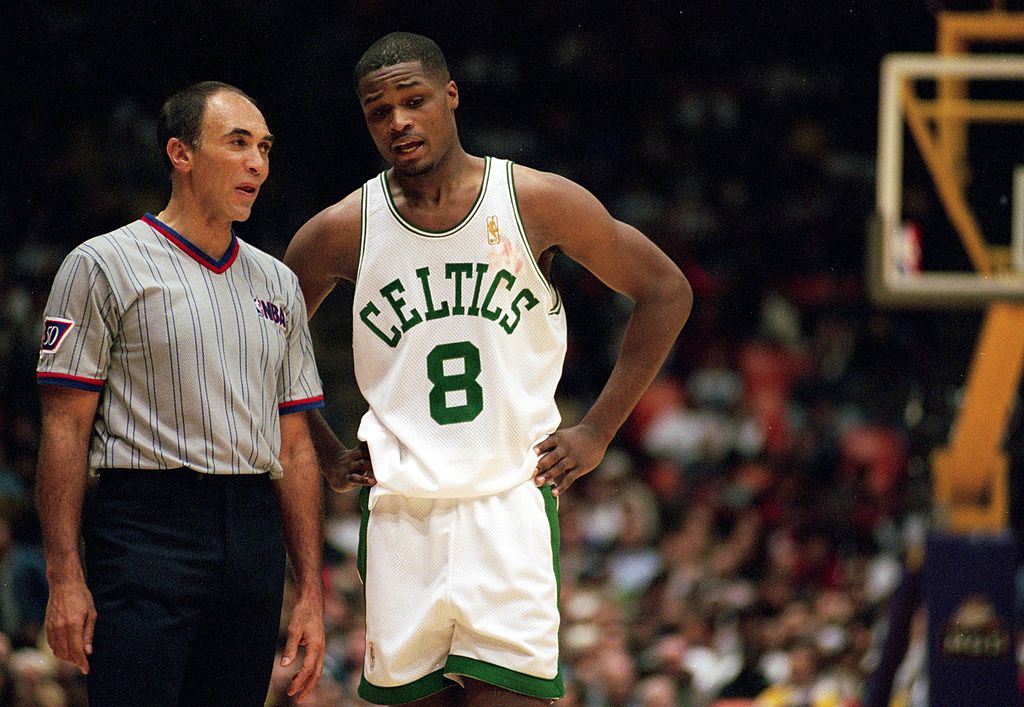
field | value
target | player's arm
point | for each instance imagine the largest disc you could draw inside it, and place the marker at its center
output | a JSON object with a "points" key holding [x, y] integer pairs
{"points": [[324, 251], [67, 421], [557, 213], [299, 496], [344, 468]]}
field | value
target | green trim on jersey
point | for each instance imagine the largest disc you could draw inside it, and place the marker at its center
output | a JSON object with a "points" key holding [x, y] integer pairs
{"points": [[363, 206], [416, 690], [548, 689], [426, 232], [556, 301]]}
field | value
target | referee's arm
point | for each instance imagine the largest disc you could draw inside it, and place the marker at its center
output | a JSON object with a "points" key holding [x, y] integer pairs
{"points": [[299, 494], [67, 423]]}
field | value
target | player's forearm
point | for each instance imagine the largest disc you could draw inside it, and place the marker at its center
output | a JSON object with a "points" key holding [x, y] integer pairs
{"points": [[299, 495], [329, 448], [646, 342]]}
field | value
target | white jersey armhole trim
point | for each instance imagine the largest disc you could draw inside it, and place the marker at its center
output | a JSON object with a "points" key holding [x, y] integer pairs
{"points": [[363, 199], [556, 301]]}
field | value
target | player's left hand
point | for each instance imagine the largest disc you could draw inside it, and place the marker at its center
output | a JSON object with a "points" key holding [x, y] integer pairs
{"points": [[352, 469], [566, 455], [306, 629]]}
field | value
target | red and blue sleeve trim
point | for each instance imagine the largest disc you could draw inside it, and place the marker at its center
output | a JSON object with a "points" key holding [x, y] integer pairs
{"points": [[217, 266], [69, 381], [300, 405]]}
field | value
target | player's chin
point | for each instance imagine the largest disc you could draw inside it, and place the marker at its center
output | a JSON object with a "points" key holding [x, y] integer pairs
{"points": [[412, 168]]}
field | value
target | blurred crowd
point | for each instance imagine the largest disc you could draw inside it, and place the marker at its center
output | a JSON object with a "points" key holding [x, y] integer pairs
{"points": [[741, 541]]}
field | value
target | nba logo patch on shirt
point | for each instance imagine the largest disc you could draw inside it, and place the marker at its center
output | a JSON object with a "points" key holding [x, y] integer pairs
{"points": [[269, 310], [54, 331]]}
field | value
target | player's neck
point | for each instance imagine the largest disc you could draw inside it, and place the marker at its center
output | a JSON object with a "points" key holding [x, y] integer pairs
{"points": [[450, 176], [205, 231]]}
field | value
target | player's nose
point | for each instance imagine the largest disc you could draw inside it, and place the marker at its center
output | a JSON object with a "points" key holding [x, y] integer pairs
{"points": [[401, 120]]}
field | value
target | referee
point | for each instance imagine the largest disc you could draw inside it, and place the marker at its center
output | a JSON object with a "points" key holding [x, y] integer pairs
{"points": [[176, 364]]}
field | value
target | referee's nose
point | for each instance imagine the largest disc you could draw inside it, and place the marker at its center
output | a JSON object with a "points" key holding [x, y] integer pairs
{"points": [[257, 162]]}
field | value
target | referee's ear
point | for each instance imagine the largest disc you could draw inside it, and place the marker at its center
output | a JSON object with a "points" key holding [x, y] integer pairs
{"points": [[180, 155]]}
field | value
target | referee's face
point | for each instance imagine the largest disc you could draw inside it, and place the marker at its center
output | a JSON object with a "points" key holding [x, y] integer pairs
{"points": [[231, 158]]}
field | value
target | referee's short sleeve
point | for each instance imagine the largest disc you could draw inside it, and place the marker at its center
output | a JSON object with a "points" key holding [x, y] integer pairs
{"points": [[299, 386], [79, 325]]}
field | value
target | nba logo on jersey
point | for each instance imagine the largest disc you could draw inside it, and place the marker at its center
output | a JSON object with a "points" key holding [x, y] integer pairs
{"points": [[269, 310], [54, 331], [493, 235]]}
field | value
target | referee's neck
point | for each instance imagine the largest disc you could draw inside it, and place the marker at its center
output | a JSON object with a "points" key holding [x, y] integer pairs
{"points": [[206, 231]]}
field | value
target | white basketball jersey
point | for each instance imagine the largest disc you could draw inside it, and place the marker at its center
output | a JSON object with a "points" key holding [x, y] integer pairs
{"points": [[459, 342]]}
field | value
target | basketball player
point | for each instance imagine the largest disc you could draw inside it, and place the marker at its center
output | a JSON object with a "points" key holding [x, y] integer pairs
{"points": [[459, 338], [176, 362]]}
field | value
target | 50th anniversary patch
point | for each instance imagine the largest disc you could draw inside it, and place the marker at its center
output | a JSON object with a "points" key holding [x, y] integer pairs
{"points": [[54, 331]]}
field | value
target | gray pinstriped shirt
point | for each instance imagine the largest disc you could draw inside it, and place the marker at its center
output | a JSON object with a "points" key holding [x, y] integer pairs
{"points": [[195, 359]]}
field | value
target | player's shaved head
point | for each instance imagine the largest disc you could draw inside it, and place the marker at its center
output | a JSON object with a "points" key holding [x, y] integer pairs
{"points": [[398, 48], [182, 114]]}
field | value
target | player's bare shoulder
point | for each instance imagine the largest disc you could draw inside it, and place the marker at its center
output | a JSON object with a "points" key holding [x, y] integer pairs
{"points": [[330, 239], [554, 207], [326, 249]]}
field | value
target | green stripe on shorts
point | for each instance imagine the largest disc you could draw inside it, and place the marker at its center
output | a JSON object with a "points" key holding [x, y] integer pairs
{"points": [[364, 508], [549, 689], [416, 690]]}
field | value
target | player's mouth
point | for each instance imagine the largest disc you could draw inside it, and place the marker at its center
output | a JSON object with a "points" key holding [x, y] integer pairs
{"points": [[406, 148]]}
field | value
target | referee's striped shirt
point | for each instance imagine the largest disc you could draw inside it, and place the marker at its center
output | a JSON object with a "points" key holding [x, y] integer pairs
{"points": [[196, 358]]}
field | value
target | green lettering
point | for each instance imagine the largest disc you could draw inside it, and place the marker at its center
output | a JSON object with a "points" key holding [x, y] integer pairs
{"points": [[371, 310], [424, 274], [509, 279], [481, 270], [458, 269], [397, 303], [531, 300]]}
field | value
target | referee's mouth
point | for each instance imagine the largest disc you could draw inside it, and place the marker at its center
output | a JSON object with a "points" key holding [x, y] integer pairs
{"points": [[248, 189]]}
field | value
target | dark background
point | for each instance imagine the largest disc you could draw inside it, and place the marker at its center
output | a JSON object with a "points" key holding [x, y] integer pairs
{"points": [[739, 135]]}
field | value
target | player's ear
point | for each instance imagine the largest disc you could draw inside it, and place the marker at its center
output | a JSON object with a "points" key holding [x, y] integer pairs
{"points": [[180, 154], [452, 91]]}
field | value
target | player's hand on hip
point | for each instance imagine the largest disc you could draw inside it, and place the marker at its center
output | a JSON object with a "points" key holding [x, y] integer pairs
{"points": [[566, 455], [70, 621], [351, 469], [305, 629]]}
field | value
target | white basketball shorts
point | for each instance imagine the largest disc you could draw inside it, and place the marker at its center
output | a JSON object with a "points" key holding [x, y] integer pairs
{"points": [[460, 587]]}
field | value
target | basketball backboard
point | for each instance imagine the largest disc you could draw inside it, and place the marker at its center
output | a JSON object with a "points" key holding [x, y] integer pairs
{"points": [[949, 226]]}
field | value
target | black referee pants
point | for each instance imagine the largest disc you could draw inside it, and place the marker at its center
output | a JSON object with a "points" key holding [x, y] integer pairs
{"points": [[187, 573]]}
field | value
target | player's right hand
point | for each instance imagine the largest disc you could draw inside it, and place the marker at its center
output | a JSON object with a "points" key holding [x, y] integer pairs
{"points": [[70, 621], [351, 469]]}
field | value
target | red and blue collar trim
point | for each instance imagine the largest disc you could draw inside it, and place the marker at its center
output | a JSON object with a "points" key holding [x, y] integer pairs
{"points": [[217, 266]]}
